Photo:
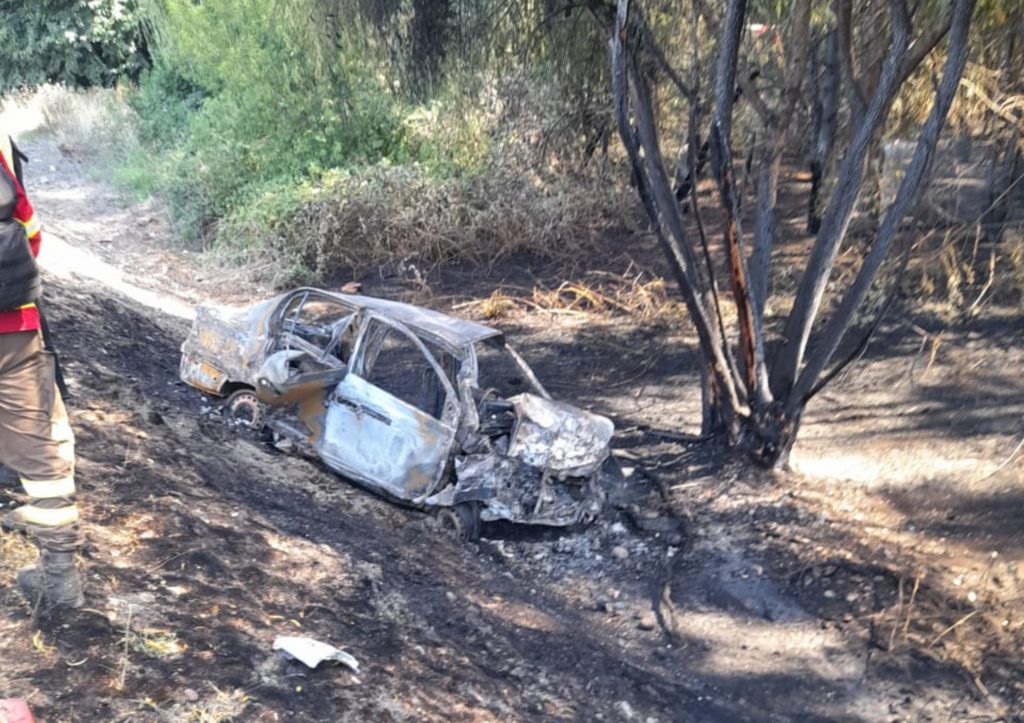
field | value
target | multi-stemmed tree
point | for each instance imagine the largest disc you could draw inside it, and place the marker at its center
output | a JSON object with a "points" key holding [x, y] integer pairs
{"points": [[759, 373]]}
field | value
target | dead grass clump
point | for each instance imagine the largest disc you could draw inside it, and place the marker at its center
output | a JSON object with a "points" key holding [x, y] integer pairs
{"points": [[604, 294], [83, 122], [155, 643], [1014, 244], [15, 553], [965, 270], [980, 630], [360, 218]]}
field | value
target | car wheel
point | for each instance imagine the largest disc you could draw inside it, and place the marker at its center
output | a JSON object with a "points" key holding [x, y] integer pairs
{"points": [[245, 407], [461, 521]]}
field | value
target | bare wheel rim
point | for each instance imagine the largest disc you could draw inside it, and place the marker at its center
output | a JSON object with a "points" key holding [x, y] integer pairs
{"points": [[246, 407]]}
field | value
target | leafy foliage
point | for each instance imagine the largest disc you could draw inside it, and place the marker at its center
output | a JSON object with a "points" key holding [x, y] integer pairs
{"points": [[305, 91], [225, 118], [70, 41]]}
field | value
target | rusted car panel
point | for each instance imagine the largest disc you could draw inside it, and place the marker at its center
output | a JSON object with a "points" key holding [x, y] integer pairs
{"points": [[388, 394], [382, 442], [225, 346], [451, 333], [562, 439]]}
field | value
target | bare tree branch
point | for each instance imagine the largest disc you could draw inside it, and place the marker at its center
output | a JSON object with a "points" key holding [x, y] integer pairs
{"points": [[658, 200], [797, 48], [906, 195], [667, 67], [693, 172], [826, 122], [751, 333], [752, 96], [844, 33], [924, 45], [725, 72], [862, 345], [837, 215]]}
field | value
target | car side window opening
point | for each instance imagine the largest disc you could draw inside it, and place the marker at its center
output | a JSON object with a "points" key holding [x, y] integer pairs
{"points": [[343, 339], [497, 375], [394, 363], [322, 328]]}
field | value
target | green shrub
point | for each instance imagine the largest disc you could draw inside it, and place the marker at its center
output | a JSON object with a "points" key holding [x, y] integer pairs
{"points": [[163, 101], [93, 43], [226, 117], [300, 156]]}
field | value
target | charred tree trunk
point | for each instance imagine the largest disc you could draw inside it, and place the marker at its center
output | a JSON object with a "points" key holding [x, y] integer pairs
{"points": [[1003, 164], [759, 406], [429, 31], [825, 91]]}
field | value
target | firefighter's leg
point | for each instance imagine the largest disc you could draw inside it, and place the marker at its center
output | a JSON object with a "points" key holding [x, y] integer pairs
{"points": [[36, 441]]}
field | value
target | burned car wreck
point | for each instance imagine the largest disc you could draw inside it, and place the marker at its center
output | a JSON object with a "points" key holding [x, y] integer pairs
{"points": [[390, 395]]}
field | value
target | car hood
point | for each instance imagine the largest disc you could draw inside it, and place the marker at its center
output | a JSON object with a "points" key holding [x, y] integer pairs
{"points": [[559, 437]]}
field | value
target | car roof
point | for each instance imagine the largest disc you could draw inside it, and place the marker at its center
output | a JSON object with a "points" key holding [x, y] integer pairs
{"points": [[448, 331]]}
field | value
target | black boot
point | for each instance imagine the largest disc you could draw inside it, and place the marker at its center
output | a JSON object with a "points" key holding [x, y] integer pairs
{"points": [[54, 581]]}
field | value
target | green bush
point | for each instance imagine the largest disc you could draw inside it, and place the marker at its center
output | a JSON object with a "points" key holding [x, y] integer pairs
{"points": [[226, 117], [302, 156], [78, 43]]}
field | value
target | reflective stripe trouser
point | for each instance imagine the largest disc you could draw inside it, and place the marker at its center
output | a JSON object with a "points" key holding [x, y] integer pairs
{"points": [[35, 438]]}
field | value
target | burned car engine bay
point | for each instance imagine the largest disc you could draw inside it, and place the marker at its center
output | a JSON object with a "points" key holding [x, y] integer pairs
{"points": [[430, 410]]}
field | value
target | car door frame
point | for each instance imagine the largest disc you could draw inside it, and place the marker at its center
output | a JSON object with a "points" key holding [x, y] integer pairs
{"points": [[357, 367]]}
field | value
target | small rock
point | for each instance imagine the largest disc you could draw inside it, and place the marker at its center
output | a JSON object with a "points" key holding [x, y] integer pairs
{"points": [[619, 552], [648, 621], [190, 695], [830, 594], [618, 529], [451, 596], [625, 710]]}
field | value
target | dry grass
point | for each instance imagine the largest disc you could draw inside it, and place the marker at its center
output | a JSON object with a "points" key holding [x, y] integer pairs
{"points": [[154, 643], [603, 294], [15, 553], [83, 122], [981, 97], [400, 214], [955, 603], [965, 271], [980, 630], [1013, 240], [220, 707]]}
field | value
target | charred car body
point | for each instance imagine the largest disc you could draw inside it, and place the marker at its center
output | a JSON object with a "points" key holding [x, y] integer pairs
{"points": [[389, 394]]}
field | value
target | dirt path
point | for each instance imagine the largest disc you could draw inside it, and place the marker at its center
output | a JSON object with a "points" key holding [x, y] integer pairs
{"points": [[771, 603]]}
